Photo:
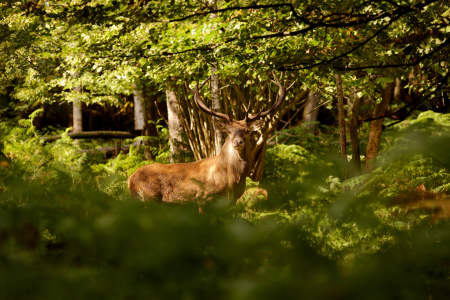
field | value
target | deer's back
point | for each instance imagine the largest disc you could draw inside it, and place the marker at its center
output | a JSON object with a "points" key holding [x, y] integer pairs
{"points": [[174, 182]]}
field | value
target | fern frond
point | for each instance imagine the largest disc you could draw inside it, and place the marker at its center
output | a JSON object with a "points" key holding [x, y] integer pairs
{"points": [[441, 188]]}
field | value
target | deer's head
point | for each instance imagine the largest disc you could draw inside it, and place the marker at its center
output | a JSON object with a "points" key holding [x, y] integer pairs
{"points": [[239, 131]]}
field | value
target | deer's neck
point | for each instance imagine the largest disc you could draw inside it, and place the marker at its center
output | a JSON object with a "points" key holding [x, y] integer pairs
{"points": [[233, 164]]}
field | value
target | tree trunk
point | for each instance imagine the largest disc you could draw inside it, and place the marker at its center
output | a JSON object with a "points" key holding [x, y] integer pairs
{"points": [[77, 113], [215, 94], [257, 174], [310, 113], [177, 146], [376, 126], [138, 107], [353, 127], [341, 117], [139, 116]]}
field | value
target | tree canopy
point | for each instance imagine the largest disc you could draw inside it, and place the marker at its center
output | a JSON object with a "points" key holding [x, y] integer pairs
{"points": [[115, 43]]}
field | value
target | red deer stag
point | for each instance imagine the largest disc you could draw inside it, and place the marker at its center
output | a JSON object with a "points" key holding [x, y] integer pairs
{"points": [[222, 175]]}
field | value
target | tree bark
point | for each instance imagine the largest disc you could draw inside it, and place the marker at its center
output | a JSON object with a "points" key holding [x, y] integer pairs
{"points": [[139, 116], [77, 113], [310, 113], [341, 117], [177, 146], [353, 128], [259, 164], [215, 95], [376, 126]]}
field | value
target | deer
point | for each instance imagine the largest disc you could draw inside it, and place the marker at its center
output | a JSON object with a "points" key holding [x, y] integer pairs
{"points": [[223, 175]]}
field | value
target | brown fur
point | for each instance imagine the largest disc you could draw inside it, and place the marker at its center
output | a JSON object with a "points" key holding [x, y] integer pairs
{"points": [[223, 175]]}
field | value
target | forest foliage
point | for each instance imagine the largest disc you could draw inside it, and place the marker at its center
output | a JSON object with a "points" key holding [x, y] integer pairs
{"points": [[317, 226]]}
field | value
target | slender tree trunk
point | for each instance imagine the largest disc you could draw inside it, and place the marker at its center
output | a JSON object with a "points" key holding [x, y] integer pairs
{"points": [[138, 106], [399, 94], [215, 95], [341, 117], [376, 126], [177, 146], [310, 113], [77, 113], [257, 174], [139, 116], [350, 103], [353, 127]]}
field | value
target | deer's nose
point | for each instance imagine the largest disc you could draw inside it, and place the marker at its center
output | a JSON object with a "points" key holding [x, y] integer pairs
{"points": [[238, 142]]}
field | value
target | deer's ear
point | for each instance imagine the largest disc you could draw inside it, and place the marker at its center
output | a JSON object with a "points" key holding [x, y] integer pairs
{"points": [[256, 125], [221, 125]]}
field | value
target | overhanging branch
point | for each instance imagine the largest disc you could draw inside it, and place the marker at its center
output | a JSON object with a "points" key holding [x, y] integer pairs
{"points": [[344, 54], [411, 64], [401, 10]]}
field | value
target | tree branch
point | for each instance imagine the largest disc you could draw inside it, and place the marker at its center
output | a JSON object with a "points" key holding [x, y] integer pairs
{"points": [[421, 58], [344, 54], [214, 11], [401, 10]]}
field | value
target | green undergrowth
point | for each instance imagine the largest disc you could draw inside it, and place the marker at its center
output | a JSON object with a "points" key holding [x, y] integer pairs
{"points": [[314, 137], [69, 229], [363, 213]]}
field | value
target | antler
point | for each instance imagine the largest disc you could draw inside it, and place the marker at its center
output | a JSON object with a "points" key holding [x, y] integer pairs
{"points": [[280, 99], [201, 105]]}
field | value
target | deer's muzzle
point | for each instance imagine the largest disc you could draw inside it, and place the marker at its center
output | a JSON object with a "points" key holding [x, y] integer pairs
{"points": [[238, 143]]}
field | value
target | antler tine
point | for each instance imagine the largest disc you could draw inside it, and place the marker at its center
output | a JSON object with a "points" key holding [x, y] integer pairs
{"points": [[292, 84], [247, 111], [188, 88], [204, 82], [198, 101], [276, 79], [228, 113], [279, 100], [197, 88]]}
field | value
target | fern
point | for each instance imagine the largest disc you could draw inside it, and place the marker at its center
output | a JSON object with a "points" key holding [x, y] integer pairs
{"points": [[442, 188]]}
